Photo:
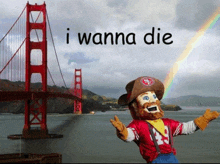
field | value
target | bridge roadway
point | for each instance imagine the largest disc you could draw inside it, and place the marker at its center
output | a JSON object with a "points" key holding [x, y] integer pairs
{"points": [[25, 95]]}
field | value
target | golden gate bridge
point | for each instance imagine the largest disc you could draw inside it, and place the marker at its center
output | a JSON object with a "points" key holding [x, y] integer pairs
{"points": [[23, 53]]}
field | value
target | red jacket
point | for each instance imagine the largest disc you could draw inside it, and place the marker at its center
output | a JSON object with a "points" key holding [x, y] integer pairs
{"points": [[145, 142]]}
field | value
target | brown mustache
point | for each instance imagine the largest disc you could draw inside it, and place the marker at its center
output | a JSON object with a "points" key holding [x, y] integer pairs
{"points": [[146, 105]]}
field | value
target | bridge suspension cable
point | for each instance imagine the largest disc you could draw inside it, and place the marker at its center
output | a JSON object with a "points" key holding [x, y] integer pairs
{"points": [[12, 57], [56, 52], [13, 24], [12, 50]]}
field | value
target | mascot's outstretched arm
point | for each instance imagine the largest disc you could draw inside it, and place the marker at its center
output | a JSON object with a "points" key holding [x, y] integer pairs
{"points": [[203, 120], [121, 130]]}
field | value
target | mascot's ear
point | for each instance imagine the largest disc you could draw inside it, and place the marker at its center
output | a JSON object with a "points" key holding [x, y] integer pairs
{"points": [[134, 104]]}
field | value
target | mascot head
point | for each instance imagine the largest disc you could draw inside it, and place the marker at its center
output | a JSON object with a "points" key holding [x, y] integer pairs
{"points": [[143, 98]]}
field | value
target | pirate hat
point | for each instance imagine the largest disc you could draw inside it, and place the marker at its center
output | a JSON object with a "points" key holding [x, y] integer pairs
{"points": [[141, 85]]}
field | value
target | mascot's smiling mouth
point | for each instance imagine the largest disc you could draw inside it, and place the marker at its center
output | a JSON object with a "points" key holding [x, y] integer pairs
{"points": [[152, 109]]}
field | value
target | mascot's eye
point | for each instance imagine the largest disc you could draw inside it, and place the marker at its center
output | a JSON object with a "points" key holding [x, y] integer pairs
{"points": [[145, 98], [154, 96]]}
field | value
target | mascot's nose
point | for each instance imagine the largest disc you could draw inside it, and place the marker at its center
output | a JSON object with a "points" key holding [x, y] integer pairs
{"points": [[152, 100]]}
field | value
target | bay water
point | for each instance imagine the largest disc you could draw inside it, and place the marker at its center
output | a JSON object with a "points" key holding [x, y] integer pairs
{"points": [[92, 138]]}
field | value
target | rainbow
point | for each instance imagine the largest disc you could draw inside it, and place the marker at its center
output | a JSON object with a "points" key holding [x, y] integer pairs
{"points": [[189, 47]]}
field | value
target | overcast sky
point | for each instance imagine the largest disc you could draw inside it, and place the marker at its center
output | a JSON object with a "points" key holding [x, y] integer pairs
{"points": [[108, 68]]}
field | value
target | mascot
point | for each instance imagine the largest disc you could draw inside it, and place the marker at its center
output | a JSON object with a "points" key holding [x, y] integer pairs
{"points": [[149, 130]]}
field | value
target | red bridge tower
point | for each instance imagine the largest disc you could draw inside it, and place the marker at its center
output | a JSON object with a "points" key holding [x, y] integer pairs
{"points": [[78, 91], [36, 108]]}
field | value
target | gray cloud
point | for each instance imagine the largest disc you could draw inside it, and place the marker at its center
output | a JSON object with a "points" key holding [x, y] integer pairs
{"points": [[193, 14], [79, 16], [116, 4], [78, 58], [192, 84]]}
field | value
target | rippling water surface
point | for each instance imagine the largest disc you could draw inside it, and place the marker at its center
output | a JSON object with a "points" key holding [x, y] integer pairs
{"points": [[92, 138]]}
